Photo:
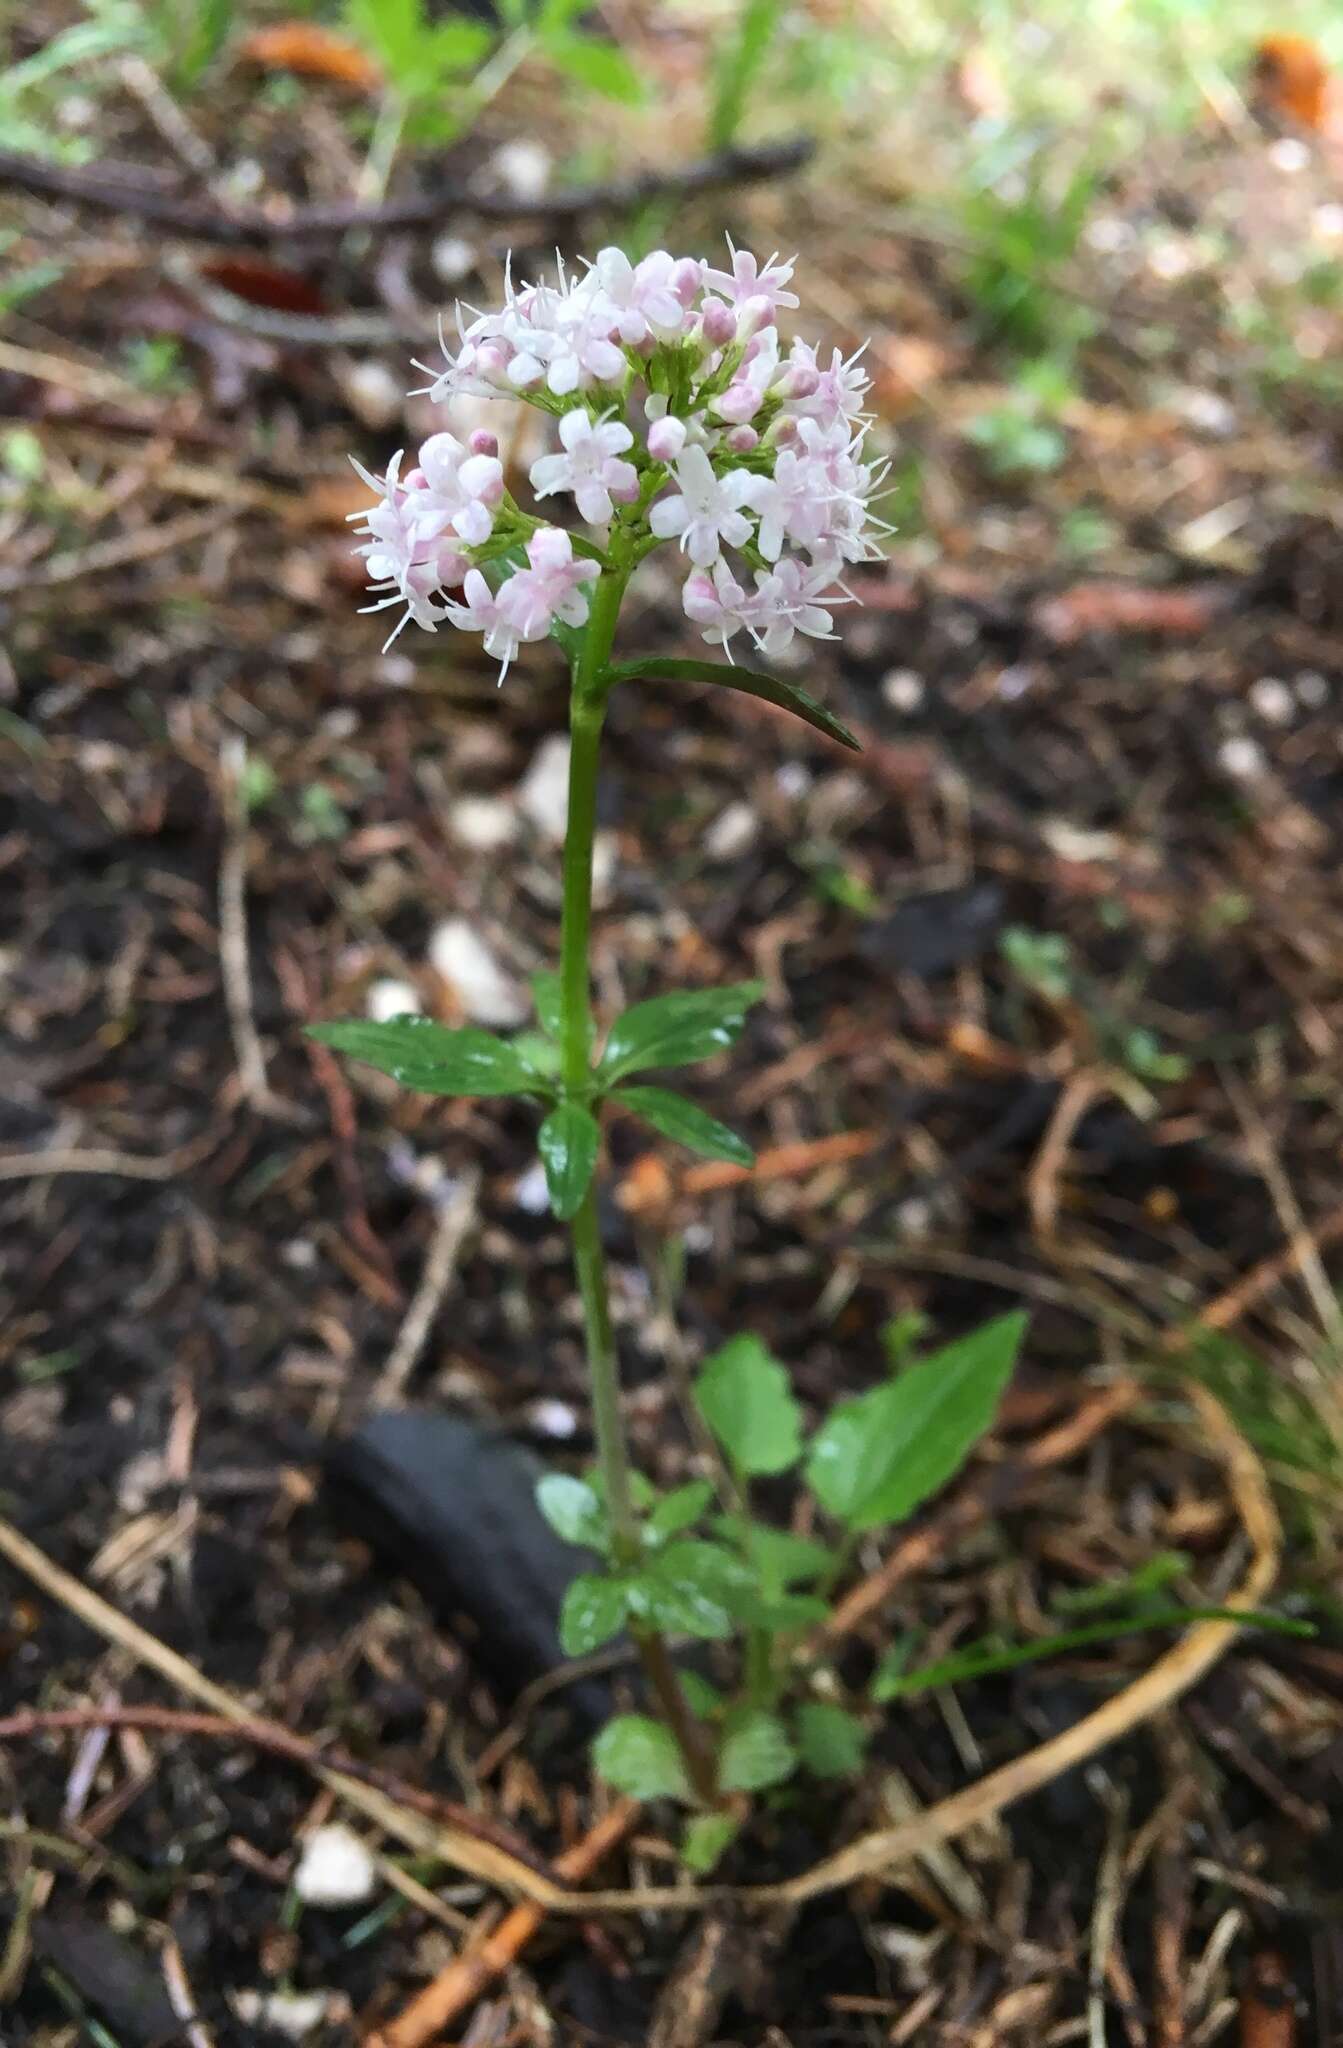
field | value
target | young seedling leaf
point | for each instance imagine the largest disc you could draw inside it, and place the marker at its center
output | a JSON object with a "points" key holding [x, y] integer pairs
{"points": [[876, 1458], [657, 668], [548, 997], [688, 1589], [597, 64], [781, 1559], [755, 1752], [568, 1142], [744, 1395], [677, 1030], [427, 1056], [574, 1511], [680, 1510], [707, 1838], [639, 1757], [831, 1742], [594, 1610], [687, 1124]]}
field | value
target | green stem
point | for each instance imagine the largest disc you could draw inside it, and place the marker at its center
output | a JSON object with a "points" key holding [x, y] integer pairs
{"points": [[587, 710]]}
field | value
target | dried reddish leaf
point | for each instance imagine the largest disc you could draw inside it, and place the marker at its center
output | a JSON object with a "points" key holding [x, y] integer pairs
{"points": [[1292, 79], [1071, 615], [312, 52], [263, 284]]}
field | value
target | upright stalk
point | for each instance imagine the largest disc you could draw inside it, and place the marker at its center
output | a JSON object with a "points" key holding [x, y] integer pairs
{"points": [[587, 711]]}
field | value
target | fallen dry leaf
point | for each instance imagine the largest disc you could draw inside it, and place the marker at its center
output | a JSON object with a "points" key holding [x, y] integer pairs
{"points": [[1070, 615], [311, 52], [1292, 80]]}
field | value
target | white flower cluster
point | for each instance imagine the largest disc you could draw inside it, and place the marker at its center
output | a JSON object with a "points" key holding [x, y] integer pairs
{"points": [[679, 417]]}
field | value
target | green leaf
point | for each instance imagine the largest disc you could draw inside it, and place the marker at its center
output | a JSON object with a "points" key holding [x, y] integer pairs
{"points": [[780, 1613], [688, 1589], [831, 1742], [744, 1395], [705, 1699], [707, 1838], [782, 1559], [548, 994], [459, 45], [687, 1123], [680, 1509], [877, 1457], [769, 689], [639, 1757], [676, 1030], [980, 1660], [755, 1752], [541, 1054], [593, 1610], [427, 1056], [568, 1141], [599, 65], [574, 1511]]}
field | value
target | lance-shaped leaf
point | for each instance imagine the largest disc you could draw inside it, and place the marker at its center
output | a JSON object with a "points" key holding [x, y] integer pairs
{"points": [[657, 668], [428, 1056], [568, 1143], [687, 1123], [676, 1030]]}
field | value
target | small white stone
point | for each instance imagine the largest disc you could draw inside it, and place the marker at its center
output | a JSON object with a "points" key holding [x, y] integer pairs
{"points": [[903, 689], [530, 1191], [388, 999], [1289, 154], [732, 832], [453, 258], [914, 1217], [1170, 259], [299, 1254], [698, 1237], [398, 670], [1241, 758], [372, 392], [292, 2013], [342, 723], [1312, 689], [543, 793], [1273, 700], [335, 1868], [1108, 235], [461, 957], [484, 823], [792, 780], [523, 168], [555, 1419], [1015, 681], [1208, 411]]}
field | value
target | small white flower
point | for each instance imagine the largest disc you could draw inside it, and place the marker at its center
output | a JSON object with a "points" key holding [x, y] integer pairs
{"points": [[335, 1868], [590, 466], [706, 513], [748, 280]]}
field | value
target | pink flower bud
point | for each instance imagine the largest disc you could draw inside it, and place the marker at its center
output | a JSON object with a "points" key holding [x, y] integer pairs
{"points": [[666, 439], [483, 442], [758, 312], [718, 324], [686, 278], [741, 440], [738, 403], [799, 380], [416, 481]]}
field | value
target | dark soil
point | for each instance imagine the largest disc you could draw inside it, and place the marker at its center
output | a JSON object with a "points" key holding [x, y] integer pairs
{"points": [[179, 1354]]}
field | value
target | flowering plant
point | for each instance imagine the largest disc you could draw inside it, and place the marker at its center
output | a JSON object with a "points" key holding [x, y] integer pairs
{"points": [[681, 420]]}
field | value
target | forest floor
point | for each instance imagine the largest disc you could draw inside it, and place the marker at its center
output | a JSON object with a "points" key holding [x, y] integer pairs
{"points": [[1054, 974]]}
